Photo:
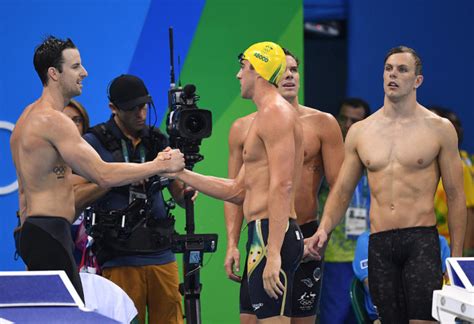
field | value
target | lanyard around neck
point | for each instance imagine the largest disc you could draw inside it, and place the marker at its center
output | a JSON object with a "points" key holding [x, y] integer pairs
{"points": [[126, 156]]}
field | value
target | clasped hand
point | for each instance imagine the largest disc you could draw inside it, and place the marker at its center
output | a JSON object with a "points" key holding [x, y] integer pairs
{"points": [[174, 160]]}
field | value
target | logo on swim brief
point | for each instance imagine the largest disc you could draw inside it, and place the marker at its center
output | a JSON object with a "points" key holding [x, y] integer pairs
{"points": [[306, 301], [257, 306], [308, 282], [317, 274], [298, 237], [364, 264]]}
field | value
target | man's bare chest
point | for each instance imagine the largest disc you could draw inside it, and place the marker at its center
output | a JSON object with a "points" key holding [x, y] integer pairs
{"points": [[311, 144], [405, 147], [253, 148]]}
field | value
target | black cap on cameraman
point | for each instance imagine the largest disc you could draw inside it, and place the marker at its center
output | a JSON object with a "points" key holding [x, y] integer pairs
{"points": [[128, 91]]}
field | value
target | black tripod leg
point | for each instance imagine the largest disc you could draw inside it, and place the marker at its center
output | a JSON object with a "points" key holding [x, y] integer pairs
{"points": [[192, 289]]}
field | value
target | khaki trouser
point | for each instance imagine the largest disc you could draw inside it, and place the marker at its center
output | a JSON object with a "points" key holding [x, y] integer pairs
{"points": [[155, 286]]}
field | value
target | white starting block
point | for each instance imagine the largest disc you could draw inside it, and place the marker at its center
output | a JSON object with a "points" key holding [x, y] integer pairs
{"points": [[457, 299], [43, 297]]}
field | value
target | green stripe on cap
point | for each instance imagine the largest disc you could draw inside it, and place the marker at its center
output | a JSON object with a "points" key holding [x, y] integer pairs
{"points": [[275, 74]]}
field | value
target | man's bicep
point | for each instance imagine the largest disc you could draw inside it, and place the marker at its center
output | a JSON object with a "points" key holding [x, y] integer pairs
{"points": [[281, 150], [332, 149], [450, 162], [75, 151], [235, 149], [240, 178], [352, 167], [235, 161]]}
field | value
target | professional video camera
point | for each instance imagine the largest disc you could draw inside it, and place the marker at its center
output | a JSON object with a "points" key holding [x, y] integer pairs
{"points": [[186, 124]]}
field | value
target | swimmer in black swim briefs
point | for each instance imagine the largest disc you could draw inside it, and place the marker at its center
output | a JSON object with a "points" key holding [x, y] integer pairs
{"points": [[253, 298], [46, 244], [307, 281], [404, 269]]}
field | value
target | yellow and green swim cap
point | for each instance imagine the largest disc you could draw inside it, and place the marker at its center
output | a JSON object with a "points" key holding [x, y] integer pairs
{"points": [[268, 59]]}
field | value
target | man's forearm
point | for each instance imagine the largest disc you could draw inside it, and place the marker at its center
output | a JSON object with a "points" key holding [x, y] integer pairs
{"points": [[334, 209], [219, 188], [119, 174], [233, 218], [86, 194], [176, 189], [457, 220], [279, 211]]}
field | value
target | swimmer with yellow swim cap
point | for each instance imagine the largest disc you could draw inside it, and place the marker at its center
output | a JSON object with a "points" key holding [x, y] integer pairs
{"points": [[268, 59], [266, 184], [322, 146]]}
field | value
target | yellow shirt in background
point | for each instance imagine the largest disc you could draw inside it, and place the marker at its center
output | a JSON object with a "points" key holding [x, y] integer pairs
{"points": [[440, 202]]}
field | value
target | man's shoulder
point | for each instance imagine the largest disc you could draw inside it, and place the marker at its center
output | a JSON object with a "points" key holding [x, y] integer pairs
{"points": [[45, 116], [309, 111], [362, 124], [277, 108], [433, 120], [242, 123], [434, 125], [362, 131], [244, 120], [45, 122], [315, 115], [371, 120]]}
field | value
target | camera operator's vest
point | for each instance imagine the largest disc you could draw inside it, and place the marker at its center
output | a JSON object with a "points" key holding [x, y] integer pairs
{"points": [[112, 143], [142, 235]]}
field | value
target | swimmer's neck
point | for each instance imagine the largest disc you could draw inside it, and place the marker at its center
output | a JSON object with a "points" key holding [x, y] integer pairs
{"points": [[264, 93], [293, 101], [52, 98]]}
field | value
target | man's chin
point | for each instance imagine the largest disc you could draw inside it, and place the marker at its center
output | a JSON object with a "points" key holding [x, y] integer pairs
{"points": [[393, 97], [244, 95], [288, 93], [75, 93]]}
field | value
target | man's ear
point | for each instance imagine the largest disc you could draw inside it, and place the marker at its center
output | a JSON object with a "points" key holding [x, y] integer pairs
{"points": [[53, 73], [113, 108], [418, 81]]}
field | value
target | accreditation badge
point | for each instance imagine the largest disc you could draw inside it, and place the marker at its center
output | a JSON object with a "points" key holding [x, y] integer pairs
{"points": [[355, 222]]}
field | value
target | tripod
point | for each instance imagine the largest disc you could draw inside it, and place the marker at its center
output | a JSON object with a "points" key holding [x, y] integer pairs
{"points": [[193, 246]]}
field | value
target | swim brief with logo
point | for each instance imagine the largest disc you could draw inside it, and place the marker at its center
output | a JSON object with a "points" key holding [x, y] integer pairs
{"points": [[253, 298], [307, 281]]}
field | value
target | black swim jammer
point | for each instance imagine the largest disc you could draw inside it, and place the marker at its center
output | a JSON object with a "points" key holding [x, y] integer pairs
{"points": [[404, 269]]}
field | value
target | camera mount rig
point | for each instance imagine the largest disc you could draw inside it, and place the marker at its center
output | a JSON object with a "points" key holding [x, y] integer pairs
{"points": [[186, 126]]}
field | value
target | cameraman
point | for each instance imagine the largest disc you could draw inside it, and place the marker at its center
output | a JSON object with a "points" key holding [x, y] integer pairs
{"points": [[150, 278]]}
